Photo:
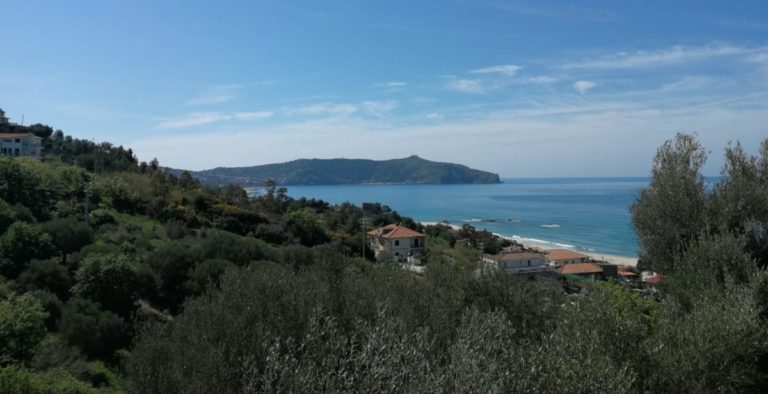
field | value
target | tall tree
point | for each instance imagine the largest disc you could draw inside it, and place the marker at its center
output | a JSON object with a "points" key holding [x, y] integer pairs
{"points": [[670, 211]]}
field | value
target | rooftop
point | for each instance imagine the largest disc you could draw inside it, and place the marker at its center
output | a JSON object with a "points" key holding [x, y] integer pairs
{"points": [[579, 268], [565, 254], [391, 231], [517, 256], [17, 135]]}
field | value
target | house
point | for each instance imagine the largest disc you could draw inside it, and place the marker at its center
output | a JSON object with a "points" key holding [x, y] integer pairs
{"points": [[16, 144], [581, 270], [521, 263], [515, 260], [565, 256], [404, 244]]}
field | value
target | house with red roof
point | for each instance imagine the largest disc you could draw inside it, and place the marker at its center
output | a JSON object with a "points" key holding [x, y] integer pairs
{"points": [[565, 256], [403, 243], [581, 270]]}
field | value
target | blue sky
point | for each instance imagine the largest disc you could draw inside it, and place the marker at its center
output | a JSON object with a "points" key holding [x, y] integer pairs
{"points": [[522, 88]]}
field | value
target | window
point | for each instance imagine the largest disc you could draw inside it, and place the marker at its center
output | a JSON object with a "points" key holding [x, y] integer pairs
{"points": [[397, 243], [17, 140], [529, 263]]}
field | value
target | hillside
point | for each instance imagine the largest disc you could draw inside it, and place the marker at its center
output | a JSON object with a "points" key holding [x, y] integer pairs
{"points": [[410, 170]]}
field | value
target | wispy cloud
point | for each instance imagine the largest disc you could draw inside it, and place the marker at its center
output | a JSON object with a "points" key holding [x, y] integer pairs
{"points": [[327, 109], [392, 84], [190, 120], [506, 69], [665, 57], [553, 12], [543, 79], [583, 86], [433, 116], [742, 23], [204, 118], [380, 108], [465, 86], [216, 95], [253, 115]]}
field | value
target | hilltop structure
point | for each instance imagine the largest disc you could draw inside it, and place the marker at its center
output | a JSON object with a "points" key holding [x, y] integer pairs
{"points": [[15, 145]]}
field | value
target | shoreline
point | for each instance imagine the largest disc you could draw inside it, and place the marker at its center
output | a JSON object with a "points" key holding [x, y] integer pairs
{"points": [[611, 258]]}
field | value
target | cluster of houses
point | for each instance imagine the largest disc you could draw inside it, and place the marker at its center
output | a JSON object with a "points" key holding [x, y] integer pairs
{"points": [[18, 144], [406, 246]]}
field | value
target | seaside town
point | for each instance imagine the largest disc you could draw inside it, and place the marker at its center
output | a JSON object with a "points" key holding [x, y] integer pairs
{"points": [[406, 246]]}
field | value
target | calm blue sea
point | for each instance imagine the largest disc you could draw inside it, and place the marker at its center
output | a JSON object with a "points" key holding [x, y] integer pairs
{"points": [[590, 214]]}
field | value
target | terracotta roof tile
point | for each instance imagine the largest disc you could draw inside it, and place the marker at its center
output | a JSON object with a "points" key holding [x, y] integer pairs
{"points": [[565, 254], [395, 231], [579, 268], [517, 256], [402, 232]]}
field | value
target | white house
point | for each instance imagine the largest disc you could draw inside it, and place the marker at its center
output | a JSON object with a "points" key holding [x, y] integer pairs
{"points": [[404, 244], [15, 144], [521, 263]]}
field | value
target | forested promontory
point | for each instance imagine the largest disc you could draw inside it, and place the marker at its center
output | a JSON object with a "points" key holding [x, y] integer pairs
{"points": [[409, 170]]}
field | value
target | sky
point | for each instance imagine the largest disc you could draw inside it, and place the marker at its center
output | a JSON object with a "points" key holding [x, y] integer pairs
{"points": [[520, 88]]}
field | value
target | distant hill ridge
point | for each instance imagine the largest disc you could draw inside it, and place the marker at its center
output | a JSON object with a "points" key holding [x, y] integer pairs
{"points": [[409, 170]]}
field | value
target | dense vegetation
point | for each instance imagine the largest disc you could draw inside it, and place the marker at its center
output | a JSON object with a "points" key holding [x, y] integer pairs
{"points": [[411, 169], [123, 277]]}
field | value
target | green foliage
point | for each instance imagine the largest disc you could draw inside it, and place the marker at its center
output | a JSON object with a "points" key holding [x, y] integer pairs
{"points": [[7, 216], [669, 212], [21, 243], [95, 332], [112, 280], [303, 225], [47, 275], [711, 347], [69, 234], [22, 327], [51, 305]]}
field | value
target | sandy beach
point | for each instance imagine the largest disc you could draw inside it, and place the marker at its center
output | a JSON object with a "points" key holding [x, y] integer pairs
{"points": [[620, 260]]}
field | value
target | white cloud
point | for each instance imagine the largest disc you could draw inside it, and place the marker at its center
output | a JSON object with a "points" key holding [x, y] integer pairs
{"points": [[583, 86], [392, 84], [465, 86], [328, 109], [380, 108], [591, 141], [544, 80], [433, 116], [216, 95], [507, 69], [204, 118], [665, 57], [253, 115], [190, 120]]}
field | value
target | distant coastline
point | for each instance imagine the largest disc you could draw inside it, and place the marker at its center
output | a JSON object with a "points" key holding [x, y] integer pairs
{"points": [[412, 170]]}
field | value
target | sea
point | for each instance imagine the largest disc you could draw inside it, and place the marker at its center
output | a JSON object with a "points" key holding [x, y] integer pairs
{"points": [[583, 214]]}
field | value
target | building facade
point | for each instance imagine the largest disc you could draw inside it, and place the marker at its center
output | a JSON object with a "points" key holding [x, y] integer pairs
{"points": [[405, 245], [521, 263], [16, 145]]}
